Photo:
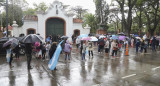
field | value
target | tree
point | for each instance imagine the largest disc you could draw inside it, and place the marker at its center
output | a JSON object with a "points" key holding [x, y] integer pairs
{"points": [[79, 11], [29, 11], [152, 13], [90, 19], [20, 3], [40, 7], [1, 2], [102, 12], [126, 22], [114, 17], [139, 19], [13, 9]]}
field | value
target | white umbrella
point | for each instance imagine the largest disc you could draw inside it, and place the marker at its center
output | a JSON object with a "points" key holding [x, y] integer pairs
{"points": [[93, 38], [102, 36], [144, 37], [158, 37], [70, 40], [138, 37]]}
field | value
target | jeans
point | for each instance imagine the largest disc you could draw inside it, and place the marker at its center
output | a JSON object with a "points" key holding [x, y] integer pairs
{"points": [[11, 58], [153, 48], [142, 49], [98, 48], [67, 55], [83, 56], [136, 49]]}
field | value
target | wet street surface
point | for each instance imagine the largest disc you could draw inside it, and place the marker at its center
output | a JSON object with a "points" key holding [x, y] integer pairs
{"points": [[141, 69]]}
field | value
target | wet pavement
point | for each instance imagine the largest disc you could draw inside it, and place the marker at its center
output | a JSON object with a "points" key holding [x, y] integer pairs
{"points": [[101, 70]]}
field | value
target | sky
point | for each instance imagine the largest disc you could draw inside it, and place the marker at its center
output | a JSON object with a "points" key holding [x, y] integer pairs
{"points": [[86, 4]]}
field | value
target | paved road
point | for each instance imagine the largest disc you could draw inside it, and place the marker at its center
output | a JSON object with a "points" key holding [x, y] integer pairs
{"points": [[133, 70]]}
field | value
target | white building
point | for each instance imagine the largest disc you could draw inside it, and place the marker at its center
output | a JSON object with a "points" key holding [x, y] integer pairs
{"points": [[55, 21]]}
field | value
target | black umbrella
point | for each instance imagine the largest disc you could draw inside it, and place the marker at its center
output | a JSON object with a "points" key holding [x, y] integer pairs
{"points": [[32, 38]]}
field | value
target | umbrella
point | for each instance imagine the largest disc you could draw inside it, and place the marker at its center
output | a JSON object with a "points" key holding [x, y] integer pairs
{"points": [[4, 39], [114, 37], [122, 37], [32, 38], [93, 38], [135, 35], [158, 37], [64, 37], [138, 37], [144, 37], [83, 35], [70, 40], [86, 38], [121, 33], [13, 42], [102, 36]]}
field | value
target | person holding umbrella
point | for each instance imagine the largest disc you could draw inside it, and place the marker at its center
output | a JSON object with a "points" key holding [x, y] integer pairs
{"points": [[107, 47], [83, 50], [10, 45], [67, 50], [78, 41], [28, 51], [9, 55], [90, 48], [16, 51]]}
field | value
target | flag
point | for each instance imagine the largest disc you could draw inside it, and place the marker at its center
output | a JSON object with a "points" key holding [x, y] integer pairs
{"points": [[53, 62]]}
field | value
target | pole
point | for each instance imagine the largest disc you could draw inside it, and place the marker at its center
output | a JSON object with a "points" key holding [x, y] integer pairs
{"points": [[1, 19], [7, 16]]}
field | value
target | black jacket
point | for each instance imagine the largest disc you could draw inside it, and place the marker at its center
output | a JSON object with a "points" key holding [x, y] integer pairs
{"points": [[28, 48], [52, 50]]}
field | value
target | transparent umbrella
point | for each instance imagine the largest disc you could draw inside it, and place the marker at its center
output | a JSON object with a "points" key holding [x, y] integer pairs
{"points": [[13, 42], [93, 38]]}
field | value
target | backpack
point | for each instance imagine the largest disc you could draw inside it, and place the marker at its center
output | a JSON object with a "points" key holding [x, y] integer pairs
{"points": [[101, 43]]}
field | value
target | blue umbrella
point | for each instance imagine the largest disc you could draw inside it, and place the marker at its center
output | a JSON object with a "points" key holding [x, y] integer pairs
{"points": [[135, 35], [83, 35], [114, 37]]}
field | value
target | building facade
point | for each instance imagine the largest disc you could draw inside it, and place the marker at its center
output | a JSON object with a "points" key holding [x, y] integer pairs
{"points": [[55, 21]]}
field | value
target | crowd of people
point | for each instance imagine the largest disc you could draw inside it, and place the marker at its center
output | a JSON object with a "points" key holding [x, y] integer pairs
{"points": [[108, 45]]}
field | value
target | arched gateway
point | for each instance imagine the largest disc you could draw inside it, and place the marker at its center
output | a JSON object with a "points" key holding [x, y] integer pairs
{"points": [[54, 21], [55, 26]]}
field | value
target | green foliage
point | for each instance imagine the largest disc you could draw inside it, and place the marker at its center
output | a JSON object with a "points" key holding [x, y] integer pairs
{"points": [[15, 13], [111, 28], [40, 7], [91, 21], [102, 11], [30, 11]]}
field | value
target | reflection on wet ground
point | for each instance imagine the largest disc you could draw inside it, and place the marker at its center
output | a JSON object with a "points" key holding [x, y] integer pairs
{"points": [[101, 70]]}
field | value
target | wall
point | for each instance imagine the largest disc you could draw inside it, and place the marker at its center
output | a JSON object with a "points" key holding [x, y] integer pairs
{"points": [[27, 25], [79, 27], [51, 13]]}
